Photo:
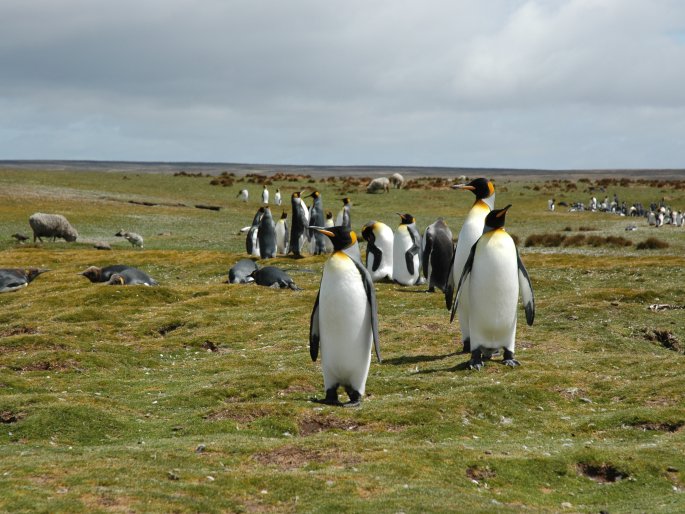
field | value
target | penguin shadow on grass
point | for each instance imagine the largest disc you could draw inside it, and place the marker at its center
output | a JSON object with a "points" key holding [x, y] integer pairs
{"points": [[415, 359]]}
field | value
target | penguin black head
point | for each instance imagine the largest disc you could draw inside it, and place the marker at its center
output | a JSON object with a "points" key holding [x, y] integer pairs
{"points": [[341, 237], [481, 187], [262, 209], [296, 194], [314, 194], [367, 231], [329, 215], [32, 273], [284, 215], [495, 219], [93, 273], [407, 219], [346, 201]]}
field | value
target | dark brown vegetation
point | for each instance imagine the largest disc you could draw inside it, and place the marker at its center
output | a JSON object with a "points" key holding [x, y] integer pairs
{"points": [[652, 243]]}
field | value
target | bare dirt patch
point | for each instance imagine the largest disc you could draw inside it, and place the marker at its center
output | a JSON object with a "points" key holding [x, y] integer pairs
{"points": [[17, 331], [665, 338], [8, 417], [602, 473], [313, 424], [292, 457], [479, 473], [664, 426]]}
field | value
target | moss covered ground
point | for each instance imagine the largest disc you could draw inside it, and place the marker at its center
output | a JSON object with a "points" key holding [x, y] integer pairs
{"points": [[194, 396]]}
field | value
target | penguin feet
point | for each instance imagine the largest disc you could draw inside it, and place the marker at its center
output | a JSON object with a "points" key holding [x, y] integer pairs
{"points": [[476, 362], [331, 397], [509, 359], [467, 345], [355, 398]]}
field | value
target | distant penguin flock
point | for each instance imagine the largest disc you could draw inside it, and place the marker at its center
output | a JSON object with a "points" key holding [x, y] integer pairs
{"points": [[481, 277]]}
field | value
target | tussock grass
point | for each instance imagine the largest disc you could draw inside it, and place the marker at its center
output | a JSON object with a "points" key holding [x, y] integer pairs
{"points": [[194, 395], [652, 243]]}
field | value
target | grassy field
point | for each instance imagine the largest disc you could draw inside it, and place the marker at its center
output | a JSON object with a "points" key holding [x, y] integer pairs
{"points": [[194, 396]]}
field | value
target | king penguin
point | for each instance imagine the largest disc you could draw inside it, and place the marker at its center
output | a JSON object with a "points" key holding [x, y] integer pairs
{"points": [[492, 278], [344, 322], [406, 252], [438, 250], [344, 217], [282, 234], [379, 240], [12, 279], [298, 233], [316, 219], [265, 195], [277, 197], [252, 239], [266, 236], [470, 231], [330, 222]]}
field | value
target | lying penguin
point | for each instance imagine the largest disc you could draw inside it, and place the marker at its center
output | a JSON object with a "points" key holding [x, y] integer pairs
{"points": [[131, 277], [119, 274], [241, 272], [13, 279], [270, 276]]}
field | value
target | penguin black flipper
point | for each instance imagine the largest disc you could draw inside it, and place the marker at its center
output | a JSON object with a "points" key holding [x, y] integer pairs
{"points": [[526, 291], [449, 289], [426, 254], [409, 258], [468, 265], [314, 330], [377, 255], [371, 298]]}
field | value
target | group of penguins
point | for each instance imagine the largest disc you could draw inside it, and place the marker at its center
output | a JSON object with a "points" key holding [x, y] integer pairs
{"points": [[484, 269], [481, 277]]}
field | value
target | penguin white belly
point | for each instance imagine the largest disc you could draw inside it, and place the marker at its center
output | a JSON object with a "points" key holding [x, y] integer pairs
{"points": [[255, 244], [384, 242], [493, 291], [280, 237], [470, 232], [345, 325], [401, 244], [327, 242]]}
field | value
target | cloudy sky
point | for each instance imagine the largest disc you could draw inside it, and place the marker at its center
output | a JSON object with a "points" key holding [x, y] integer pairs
{"points": [[485, 83]]}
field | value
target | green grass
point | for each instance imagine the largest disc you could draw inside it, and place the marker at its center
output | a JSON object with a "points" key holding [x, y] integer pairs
{"points": [[106, 393]]}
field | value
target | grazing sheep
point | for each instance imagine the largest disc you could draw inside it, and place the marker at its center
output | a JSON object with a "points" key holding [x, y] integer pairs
{"points": [[397, 180], [131, 237], [378, 185], [51, 225]]}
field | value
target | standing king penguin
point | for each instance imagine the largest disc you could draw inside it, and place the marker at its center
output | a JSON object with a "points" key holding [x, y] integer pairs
{"points": [[379, 239], [282, 234], [298, 232], [344, 322], [492, 278], [406, 252], [437, 254], [265, 195], [316, 219], [344, 217], [252, 240], [266, 235], [277, 197], [470, 231]]}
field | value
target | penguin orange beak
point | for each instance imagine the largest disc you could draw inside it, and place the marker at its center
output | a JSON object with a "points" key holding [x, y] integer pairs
{"points": [[323, 231], [463, 187], [503, 211]]}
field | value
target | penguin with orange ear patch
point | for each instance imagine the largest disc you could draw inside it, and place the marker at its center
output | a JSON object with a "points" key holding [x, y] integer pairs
{"points": [[344, 322], [491, 281]]}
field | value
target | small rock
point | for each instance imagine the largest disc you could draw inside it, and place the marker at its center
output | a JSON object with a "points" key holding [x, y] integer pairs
{"points": [[672, 469], [615, 304], [172, 475], [566, 505], [585, 400], [200, 448]]}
